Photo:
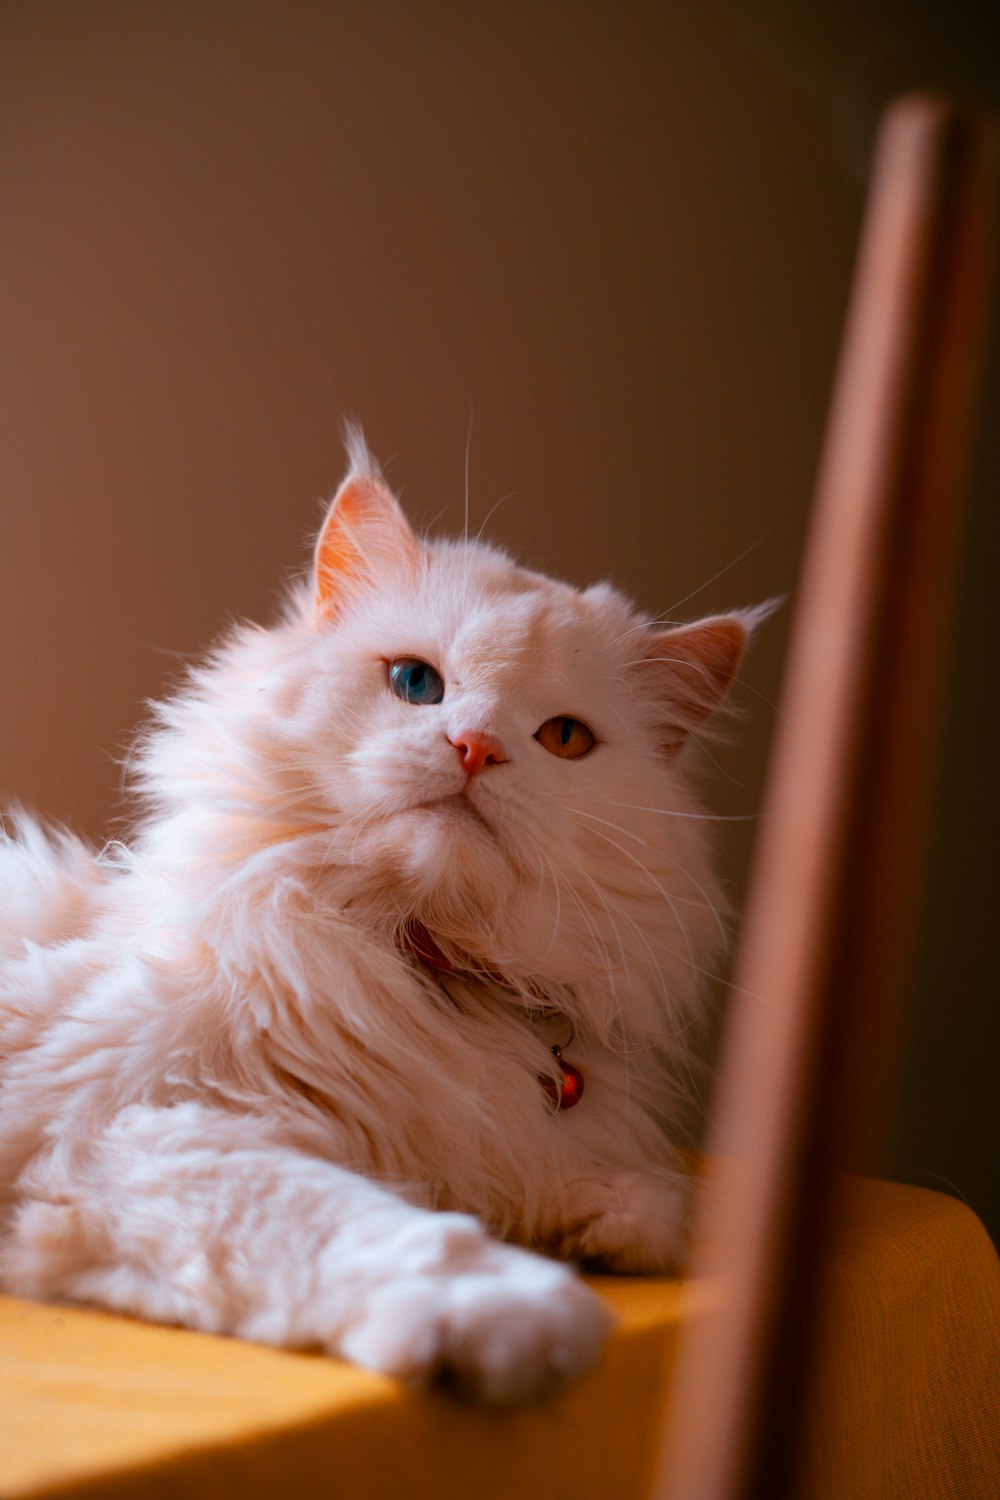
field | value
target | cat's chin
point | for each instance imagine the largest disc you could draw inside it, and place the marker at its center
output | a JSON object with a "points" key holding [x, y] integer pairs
{"points": [[456, 813], [443, 851], [445, 835], [456, 865]]}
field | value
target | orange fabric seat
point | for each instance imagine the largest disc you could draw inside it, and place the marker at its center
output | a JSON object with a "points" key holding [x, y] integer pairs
{"points": [[95, 1405]]}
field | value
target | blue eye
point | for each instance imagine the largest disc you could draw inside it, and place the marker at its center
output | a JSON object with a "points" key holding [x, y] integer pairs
{"points": [[415, 681]]}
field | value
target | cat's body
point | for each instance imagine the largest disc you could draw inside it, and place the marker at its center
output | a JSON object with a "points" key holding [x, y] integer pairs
{"points": [[318, 995]]}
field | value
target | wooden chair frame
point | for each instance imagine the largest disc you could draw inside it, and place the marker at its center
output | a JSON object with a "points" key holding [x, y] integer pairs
{"points": [[814, 1004]]}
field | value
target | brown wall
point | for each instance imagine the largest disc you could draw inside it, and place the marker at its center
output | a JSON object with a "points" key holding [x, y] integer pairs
{"points": [[615, 238]]}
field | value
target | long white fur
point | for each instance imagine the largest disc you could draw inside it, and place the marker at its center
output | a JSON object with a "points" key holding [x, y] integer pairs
{"points": [[231, 1100]]}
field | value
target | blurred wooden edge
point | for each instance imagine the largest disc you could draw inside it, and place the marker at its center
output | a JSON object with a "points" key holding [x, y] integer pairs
{"points": [[812, 1024]]}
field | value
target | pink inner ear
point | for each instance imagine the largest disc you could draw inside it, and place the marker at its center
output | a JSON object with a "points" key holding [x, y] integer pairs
{"points": [[365, 535], [692, 668], [706, 657], [336, 556]]}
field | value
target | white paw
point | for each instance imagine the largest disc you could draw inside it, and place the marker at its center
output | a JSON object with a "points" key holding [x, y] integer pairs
{"points": [[487, 1319], [631, 1221]]}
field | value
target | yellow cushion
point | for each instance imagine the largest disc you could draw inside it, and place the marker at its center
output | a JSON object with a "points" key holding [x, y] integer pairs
{"points": [[907, 1400], [95, 1405]]}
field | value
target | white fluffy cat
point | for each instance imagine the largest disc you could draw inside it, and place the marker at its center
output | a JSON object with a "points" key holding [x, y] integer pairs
{"points": [[420, 861]]}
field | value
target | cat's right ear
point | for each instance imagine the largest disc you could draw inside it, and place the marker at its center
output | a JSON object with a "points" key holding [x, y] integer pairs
{"points": [[365, 535]]}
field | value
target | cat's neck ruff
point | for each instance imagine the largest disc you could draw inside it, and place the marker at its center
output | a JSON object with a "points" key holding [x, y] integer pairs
{"points": [[415, 941]]}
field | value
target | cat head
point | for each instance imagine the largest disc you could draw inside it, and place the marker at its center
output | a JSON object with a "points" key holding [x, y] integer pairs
{"points": [[493, 731], [478, 748]]}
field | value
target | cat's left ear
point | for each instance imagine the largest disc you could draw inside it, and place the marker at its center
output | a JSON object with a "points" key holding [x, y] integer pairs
{"points": [[365, 535], [687, 672]]}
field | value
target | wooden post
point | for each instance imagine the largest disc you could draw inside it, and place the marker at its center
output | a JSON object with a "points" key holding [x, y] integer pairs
{"points": [[813, 1007]]}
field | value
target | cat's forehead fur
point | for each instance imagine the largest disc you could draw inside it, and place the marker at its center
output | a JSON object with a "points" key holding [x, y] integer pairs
{"points": [[497, 622]]}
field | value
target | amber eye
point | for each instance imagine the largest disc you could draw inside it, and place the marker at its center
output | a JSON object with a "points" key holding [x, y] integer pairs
{"points": [[568, 738]]}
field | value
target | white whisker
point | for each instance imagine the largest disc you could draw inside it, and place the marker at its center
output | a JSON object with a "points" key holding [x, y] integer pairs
{"points": [[695, 967], [670, 812], [677, 866]]}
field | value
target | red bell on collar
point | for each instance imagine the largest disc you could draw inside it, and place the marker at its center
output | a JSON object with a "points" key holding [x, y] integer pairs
{"points": [[571, 1091]]}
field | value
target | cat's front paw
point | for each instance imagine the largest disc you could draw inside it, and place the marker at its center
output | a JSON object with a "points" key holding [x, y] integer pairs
{"points": [[489, 1320], [628, 1221]]}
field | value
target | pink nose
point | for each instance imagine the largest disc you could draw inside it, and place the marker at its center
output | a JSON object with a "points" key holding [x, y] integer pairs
{"points": [[478, 750]]}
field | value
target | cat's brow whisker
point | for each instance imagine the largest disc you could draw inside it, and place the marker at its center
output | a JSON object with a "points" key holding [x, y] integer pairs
{"points": [[733, 562], [435, 518], [644, 627], [676, 661], [468, 452], [492, 512], [664, 619]]}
